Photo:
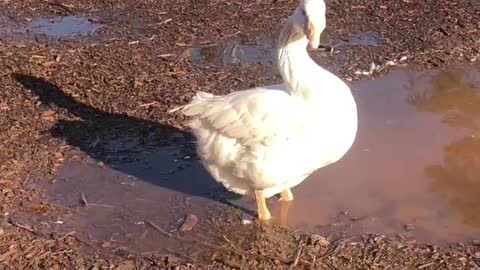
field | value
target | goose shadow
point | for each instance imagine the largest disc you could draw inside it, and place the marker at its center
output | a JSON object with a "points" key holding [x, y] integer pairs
{"points": [[147, 150]]}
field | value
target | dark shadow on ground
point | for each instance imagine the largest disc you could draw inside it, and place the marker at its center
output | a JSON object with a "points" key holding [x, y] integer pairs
{"points": [[122, 142]]}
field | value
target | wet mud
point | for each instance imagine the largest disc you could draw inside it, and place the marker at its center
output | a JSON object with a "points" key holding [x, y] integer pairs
{"points": [[411, 175], [118, 204]]}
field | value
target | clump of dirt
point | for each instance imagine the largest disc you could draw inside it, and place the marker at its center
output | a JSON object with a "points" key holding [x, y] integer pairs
{"points": [[64, 98]]}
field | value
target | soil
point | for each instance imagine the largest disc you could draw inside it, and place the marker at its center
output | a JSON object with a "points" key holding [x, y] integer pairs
{"points": [[92, 91]]}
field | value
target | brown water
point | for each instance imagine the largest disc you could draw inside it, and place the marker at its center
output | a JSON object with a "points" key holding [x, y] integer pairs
{"points": [[414, 169], [413, 172]]}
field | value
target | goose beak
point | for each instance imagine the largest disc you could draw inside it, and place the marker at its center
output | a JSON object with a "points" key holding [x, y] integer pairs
{"points": [[324, 48], [313, 36]]}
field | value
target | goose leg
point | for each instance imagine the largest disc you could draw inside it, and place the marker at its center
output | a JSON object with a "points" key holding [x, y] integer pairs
{"points": [[263, 213], [284, 207], [286, 195]]}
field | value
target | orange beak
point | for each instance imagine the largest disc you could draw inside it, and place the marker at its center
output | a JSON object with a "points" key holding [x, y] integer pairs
{"points": [[312, 36]]}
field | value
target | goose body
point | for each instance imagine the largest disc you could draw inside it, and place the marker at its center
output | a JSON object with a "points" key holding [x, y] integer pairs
{"points": [[266, 140]]}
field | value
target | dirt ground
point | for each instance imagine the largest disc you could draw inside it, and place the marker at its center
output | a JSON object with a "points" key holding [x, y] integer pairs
{"points": [[61, 93]]}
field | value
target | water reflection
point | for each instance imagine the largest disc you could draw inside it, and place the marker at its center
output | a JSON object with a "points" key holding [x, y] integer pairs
{"points": [[411, 166], [236, 52], [63, 26], [455, 94], [458, 179]]}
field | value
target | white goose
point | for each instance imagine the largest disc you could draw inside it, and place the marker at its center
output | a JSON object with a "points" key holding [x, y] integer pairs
{"points": [[266, 140]]}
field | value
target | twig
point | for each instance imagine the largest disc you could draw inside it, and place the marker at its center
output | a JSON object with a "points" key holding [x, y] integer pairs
{"points": [[165, 55], [336, 247], [143, 235], [82, 241], [148, 104], [184, 256], [66, 209], [172, 73], [102, 205], [24, 227], [180, 44], [159, 229], [226, 239], [63, 252], [425, 265], [83, 200], [95, 142], [230, 35], [297, 257], [27, 180], [164, 22]]}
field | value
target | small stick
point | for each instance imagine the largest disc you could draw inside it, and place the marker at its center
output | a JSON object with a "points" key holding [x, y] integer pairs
{"points": [[297, 257], [83, 241], [148, 104], [101, 205], [165, 55], [230, 35], [67, 209], [164, 22], [24, 227], [158, 228], [425, 265], [83, 200]]}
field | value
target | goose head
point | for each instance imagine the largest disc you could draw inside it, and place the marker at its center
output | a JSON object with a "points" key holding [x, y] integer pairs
{"points": [[309, 20]]}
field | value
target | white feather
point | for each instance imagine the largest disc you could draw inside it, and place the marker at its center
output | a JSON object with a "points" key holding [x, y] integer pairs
{"points": [[271, 138]]}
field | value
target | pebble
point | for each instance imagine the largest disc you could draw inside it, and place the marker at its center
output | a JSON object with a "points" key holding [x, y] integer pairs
{"points": [[246, 222]]}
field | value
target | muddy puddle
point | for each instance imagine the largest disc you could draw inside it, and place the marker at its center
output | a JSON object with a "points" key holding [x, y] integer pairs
{"points": [[262, 51], [414, 172], [118, 205], [68, 26], [369, 39], [59, 27], [235, 52]]}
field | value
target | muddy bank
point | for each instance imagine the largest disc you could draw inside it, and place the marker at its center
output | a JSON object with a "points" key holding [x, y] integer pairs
{"points": [[84, 97], [411, 176]]}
